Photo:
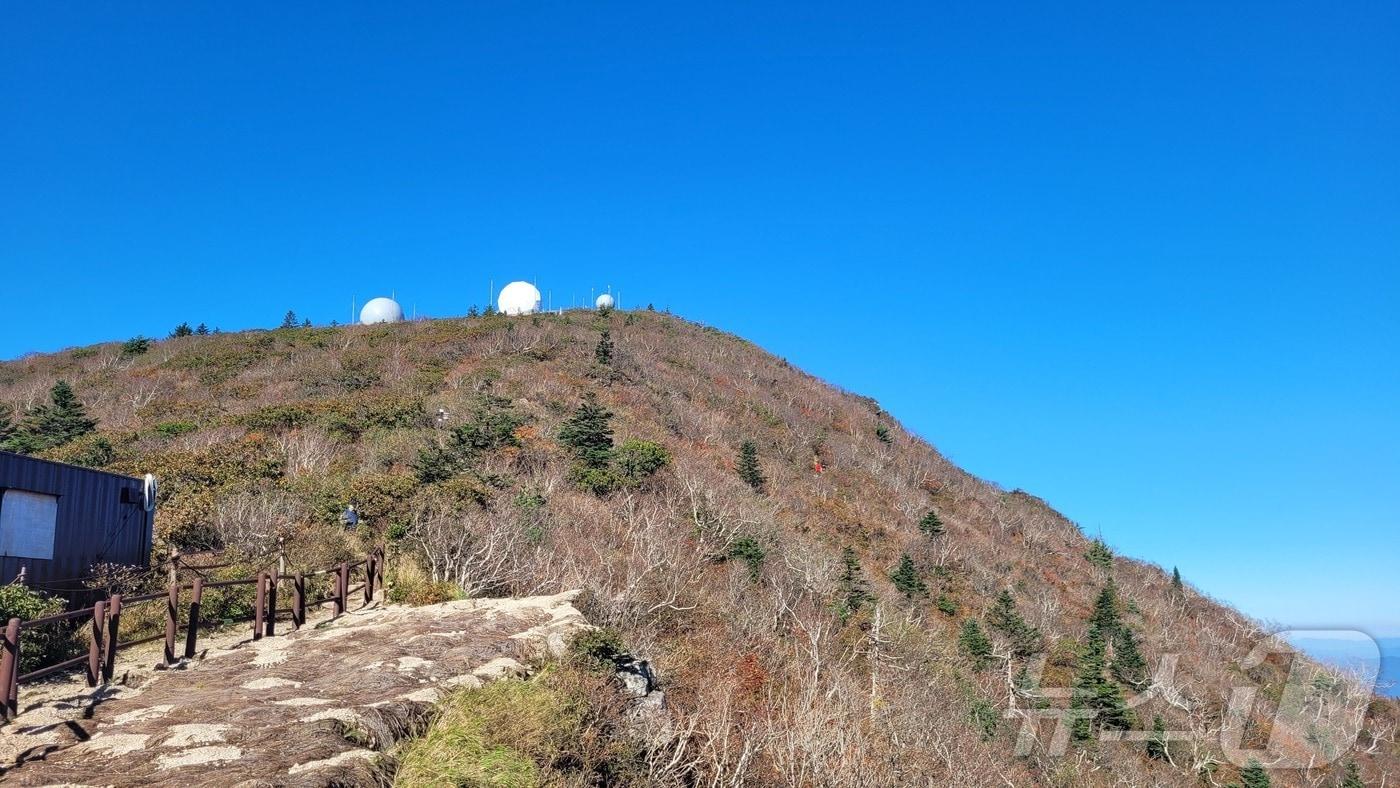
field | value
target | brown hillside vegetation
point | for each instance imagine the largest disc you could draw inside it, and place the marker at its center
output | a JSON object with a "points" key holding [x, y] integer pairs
{"points": [[784, 662]]}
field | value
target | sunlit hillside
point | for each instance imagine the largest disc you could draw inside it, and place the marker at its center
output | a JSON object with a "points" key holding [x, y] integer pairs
{"points": [[845, 608]]}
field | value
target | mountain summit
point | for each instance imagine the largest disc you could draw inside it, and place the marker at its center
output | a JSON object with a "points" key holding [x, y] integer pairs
{"points": [[824, 598]]}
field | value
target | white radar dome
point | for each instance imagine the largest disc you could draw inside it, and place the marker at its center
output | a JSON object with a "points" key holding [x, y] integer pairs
{"points": [[519, 298], [605, 301], [381, 310]]}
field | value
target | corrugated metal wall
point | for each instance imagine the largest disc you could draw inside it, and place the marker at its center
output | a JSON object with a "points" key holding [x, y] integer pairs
{"points": [[94, 524]]}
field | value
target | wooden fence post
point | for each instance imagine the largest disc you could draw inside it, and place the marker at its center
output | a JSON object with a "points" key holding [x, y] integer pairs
{"points": [[114, 618], [299, 601], [16, 668], [258, 606], [342, 583], [99, 626], [172, 622], [9, 666], [270, 624], [369, 577], [192, 633]]}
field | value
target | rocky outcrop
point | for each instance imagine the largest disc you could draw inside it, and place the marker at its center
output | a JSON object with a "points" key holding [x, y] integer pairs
{"points": [[313, 707]]}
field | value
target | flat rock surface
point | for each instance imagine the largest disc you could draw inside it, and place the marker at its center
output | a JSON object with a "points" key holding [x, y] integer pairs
{"points": [[314, 707]]}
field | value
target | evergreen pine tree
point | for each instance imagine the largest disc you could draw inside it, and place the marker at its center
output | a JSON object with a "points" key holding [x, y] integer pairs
{"points": [[748, 469], [306, 323], [931, 525], [289, 320], [1157, 745], [852, 585], [603, 353], [1105, 615], [1254, 776], [589, 433], [1095, 694], [1099, 555], [882, 433], [1004, 618], [906, 579], [1128, 665], [974, 644], [47, 426], [182, 330], [1176, 580], [136, 346], [201, 330], [472, 311], [1351, 776]]}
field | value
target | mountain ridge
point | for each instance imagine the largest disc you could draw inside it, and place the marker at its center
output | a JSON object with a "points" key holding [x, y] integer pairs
{"points": [[292, 424]]}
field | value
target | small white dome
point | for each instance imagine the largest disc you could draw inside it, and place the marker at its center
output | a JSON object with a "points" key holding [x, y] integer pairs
{"points": [[605, 301], [519, 298], [381, 310]]}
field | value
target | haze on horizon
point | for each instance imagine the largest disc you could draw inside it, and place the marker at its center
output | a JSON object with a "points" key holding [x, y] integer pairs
{"points": [[1145, 267]]}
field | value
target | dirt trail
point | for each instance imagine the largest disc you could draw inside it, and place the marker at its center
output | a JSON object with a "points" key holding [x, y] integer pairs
{"points": [[313, 707]]}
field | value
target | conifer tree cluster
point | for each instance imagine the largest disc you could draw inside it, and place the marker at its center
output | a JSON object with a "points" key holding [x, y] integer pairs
{"points": [[852, 586], [975, 644], [490, 426], [1095, 692], [603, 352], [136, 346], [1004, 618], [747, 467], [906, 579], [1253, 775], [1157, 745], [1099, 555], [931, 525], [46, 426], [182, 330], [598, 466]]}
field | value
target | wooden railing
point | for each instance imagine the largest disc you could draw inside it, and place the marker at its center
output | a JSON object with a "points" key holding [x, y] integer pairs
{"points": [[104, 642]]}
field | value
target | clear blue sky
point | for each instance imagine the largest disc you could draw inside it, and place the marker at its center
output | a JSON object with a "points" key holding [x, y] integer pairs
{"points": [[1143, 262]]}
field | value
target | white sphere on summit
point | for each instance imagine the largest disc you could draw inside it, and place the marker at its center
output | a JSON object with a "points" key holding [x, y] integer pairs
{"points": [[519, 298], [605, 301], [381, 310]]}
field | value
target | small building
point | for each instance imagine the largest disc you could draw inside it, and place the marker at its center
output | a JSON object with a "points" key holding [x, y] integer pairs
{"points": [[58, 520]]}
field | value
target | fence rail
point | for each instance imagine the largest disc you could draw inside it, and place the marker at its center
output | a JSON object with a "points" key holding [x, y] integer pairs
{"points": [[104, 642]]}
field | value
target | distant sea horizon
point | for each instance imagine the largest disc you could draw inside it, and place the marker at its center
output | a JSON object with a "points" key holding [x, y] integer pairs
{"points": [[1355, 653]]}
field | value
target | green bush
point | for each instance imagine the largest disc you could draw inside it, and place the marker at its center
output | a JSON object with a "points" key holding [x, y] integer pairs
{"points": [[44, 645], [599, 650], [599, 481], [173, 429], [136, 346], [638, 459], [748, 550]]}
